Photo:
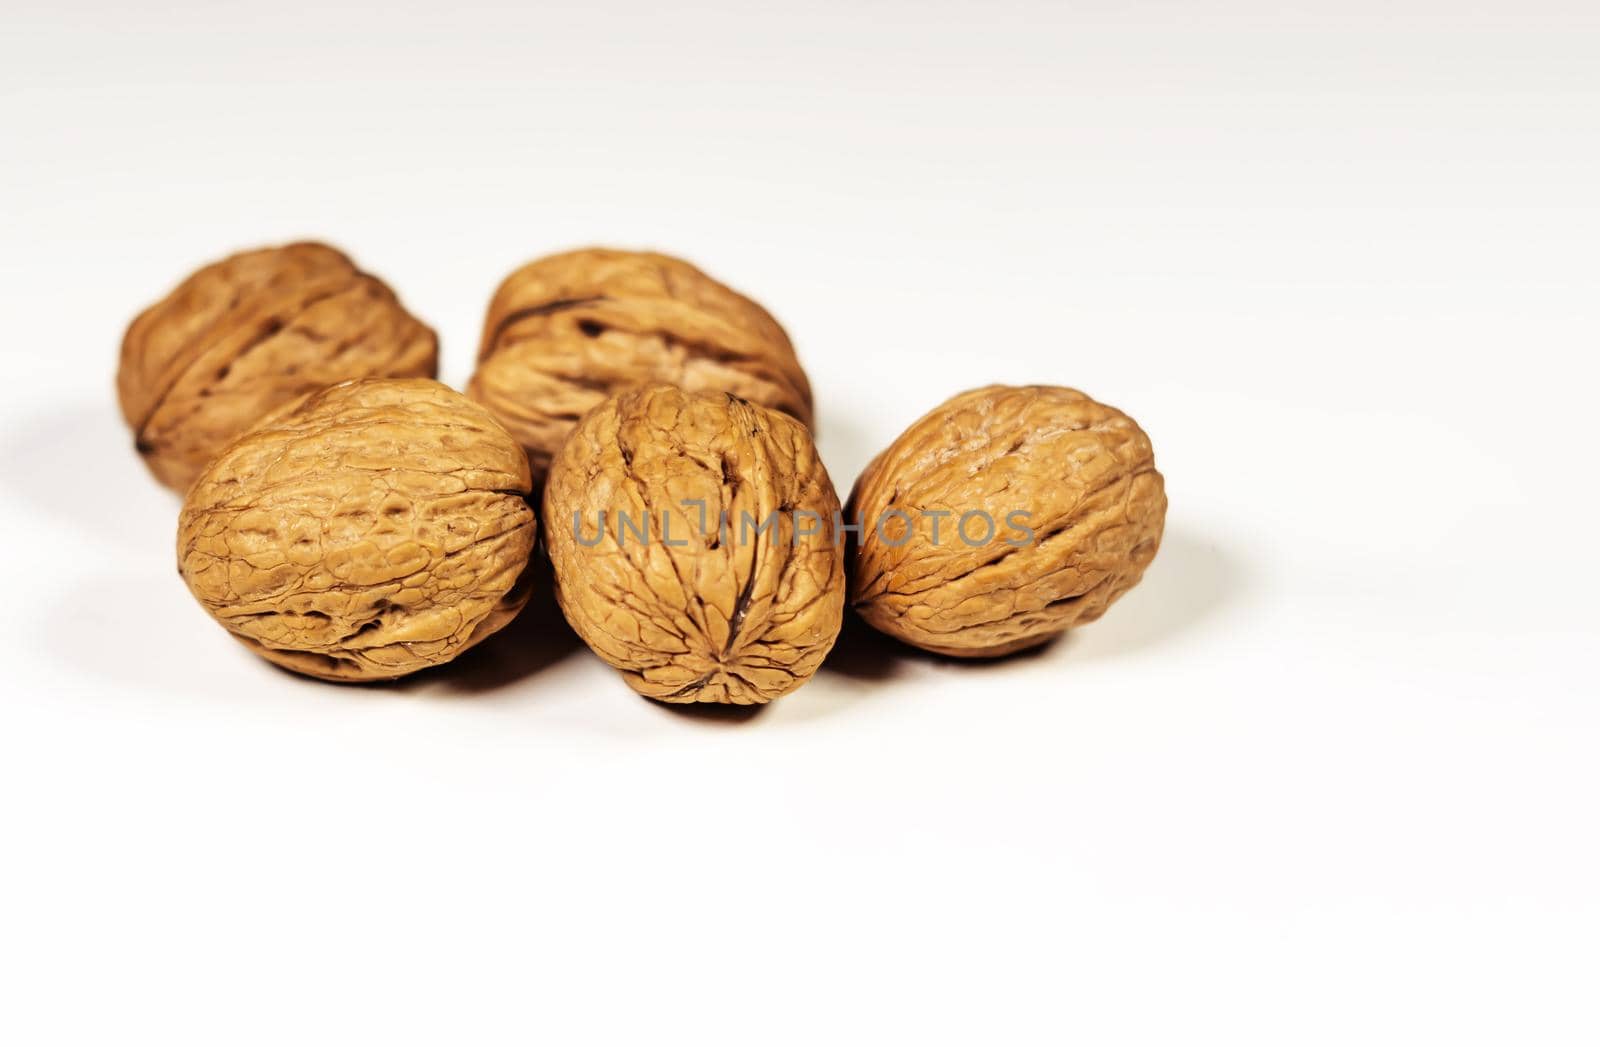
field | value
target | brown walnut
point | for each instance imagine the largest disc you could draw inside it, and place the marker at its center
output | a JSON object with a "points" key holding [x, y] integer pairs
{"points": [[1083, 473], [566, 331], [696, 610], [252, 332], [366, 531]]}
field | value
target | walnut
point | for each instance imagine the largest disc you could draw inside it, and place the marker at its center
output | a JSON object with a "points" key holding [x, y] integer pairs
{"points": [[248, 334], [566, 331], [735, 599], [1003, 517], [366, 531]]}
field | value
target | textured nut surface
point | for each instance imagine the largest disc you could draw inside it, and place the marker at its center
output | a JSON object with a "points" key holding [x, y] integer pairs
{"points": [[248, 334], [367, 531], [566, 331], [1084, 473], [699, 612]]}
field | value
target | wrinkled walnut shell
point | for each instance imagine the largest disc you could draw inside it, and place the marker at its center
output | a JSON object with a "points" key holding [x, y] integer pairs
{"points": [[1084, 473], [248, 334], [696, 612], [368, 531], [567, 331]]}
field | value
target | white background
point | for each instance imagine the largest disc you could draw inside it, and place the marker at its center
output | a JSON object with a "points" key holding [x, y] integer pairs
{"points": [[1329, 775]]}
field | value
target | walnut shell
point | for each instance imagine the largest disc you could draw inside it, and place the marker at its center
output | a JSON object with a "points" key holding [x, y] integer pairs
{"points": [[366, 531], [1083, 472], [248, 334], [697, 610], [566, 331]]}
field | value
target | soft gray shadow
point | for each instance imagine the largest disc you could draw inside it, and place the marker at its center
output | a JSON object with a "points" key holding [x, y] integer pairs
{"points": [[1189, 580], [716, 714], [144, 632], [868, 656], [862, 653], [78, 468], [501, 666], [860, 659]]}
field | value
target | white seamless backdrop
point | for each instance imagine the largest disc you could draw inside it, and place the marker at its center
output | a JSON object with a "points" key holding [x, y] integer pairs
{"points": [[1328, 776]]}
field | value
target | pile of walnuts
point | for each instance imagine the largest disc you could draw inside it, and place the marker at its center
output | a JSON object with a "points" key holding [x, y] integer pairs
{"points": [[348, 517]]}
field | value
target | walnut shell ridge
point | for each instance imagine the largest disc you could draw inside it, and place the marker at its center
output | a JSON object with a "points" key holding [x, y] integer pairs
{"points": [[565, 332], [367, 531], [1083, 472], [248, 334], [699, 611]]}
